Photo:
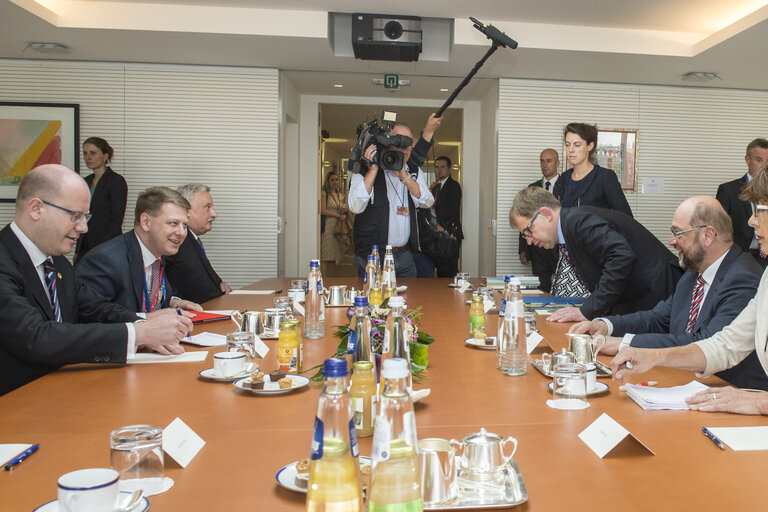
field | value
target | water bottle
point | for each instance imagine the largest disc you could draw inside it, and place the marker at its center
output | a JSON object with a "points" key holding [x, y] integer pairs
{"points": [[334, 475], [371, 278], [388, 278], [505, 297], [359, 340], [396, 343], [514, 355], [394, 468], [314, 303], [375, 253]]}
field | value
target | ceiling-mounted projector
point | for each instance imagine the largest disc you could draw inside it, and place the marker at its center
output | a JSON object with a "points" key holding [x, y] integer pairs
{"points": [[386, 37]]}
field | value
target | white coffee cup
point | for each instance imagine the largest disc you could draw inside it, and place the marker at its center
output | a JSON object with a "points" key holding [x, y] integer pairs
{"points": [[228, 364], [591, 376], [88, 490]]}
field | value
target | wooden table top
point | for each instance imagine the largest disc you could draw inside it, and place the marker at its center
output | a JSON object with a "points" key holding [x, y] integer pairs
{"points": [[249, 437]]}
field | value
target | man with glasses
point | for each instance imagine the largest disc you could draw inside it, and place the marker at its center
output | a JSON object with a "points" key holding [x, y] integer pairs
{"points": [[621, 263], [130, 269], [719, 281], [49, 319]]}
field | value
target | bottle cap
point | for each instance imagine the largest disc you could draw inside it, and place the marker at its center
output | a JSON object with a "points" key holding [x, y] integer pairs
{"points": [[374, 247], [371, 257], [362, 366], [396, 368], [361, 302], [396, 301], [388, 247], [314, 263], [335, 367], [508, 277], [286, 324]]}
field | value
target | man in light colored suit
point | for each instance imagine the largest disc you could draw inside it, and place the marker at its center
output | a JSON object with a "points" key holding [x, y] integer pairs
{"points": [[720, 280]]}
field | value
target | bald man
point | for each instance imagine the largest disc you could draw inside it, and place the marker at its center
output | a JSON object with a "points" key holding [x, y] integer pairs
{"points": [[49, 319], [703, 238]]}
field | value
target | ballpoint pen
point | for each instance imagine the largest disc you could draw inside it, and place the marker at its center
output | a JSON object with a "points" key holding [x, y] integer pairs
{"points": [[178, 310], [712, 437], [17, 460]]}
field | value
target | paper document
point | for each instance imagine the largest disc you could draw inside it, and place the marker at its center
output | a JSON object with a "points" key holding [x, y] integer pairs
{"points": [[9, 451], [206, 339], [187, 357], [654, 399], [254, 292], [742, 438]]}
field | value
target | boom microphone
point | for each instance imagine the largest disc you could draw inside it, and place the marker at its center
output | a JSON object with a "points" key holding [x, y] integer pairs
{"points": [[494, 34]]}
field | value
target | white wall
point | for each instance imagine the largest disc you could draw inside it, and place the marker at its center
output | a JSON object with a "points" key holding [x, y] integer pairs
{"points": [[692, 138], [172, 125]]}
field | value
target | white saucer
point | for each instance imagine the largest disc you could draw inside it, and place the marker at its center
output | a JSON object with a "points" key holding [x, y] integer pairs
{"points": [[479, 344], [299, 381], [597, 389], [53, 506], [286, 476], [210, 374]]}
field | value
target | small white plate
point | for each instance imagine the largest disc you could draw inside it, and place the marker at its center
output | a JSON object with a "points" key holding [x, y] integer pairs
{"points": [[271, 388], [418, 394], [597, 389], [53, 506], [286, 477], [210, 374], [479, 344]]}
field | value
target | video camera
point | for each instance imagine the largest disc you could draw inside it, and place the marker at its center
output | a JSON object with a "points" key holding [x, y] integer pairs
{"points": [[372, 134]]}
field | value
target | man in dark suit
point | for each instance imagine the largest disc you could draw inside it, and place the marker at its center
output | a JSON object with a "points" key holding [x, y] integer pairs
{"points": [[740, 211], [49, 319], [542, 261], [719, 281], [129, 269], [621, 263], [447, 194], [189, 270]]}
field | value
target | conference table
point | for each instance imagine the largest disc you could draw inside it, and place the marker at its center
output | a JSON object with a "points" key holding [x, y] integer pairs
{"points": [[249, 437]]}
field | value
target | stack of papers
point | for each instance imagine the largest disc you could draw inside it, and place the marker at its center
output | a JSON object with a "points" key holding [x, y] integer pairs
{"points": [[655, 399], [551, 303], [498, 282]]}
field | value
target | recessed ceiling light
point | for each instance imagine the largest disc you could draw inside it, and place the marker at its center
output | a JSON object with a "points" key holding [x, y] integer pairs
{"points": [[338, 85], [443, 89]]}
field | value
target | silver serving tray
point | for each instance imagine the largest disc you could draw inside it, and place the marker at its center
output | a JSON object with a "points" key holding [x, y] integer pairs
{"points": [[472, 495], [602, 369]]}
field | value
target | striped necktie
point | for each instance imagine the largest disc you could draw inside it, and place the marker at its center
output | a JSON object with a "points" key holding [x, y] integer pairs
{"points": [[50, 282], [698, 294]]}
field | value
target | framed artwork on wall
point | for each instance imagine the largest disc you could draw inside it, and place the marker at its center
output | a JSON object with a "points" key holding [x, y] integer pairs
{"points": [[33, 134], [617, 150]]}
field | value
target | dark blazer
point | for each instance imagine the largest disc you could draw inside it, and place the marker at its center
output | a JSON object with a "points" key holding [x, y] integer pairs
{"points": [[191, 274], [108, 209], [740, 211], [602, 189], [115, 270], [543, 261], [448, 206], [32, 343], [733, 286], [623, 264]]}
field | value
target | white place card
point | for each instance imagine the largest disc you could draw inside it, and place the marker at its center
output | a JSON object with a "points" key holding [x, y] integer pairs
{"points": [[488, 304], [299, 309], [181, 443], [261, 348], [533, 340], [605, 434], [464, 287]]}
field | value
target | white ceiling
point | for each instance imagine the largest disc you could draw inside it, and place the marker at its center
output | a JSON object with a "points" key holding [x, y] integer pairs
{"points": [[625, 41]]}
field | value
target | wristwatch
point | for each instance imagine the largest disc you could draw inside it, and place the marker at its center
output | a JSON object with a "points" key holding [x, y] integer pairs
{"points": [[406, 179]]}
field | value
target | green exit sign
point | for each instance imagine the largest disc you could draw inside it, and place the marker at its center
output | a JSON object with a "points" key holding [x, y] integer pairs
{"points": [[391, 82]]}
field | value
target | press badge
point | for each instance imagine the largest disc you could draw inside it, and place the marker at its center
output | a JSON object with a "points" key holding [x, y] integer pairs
{"points": [[402, 210]]}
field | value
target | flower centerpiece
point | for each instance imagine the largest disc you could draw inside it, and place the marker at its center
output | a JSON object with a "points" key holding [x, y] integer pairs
{"points": [[419, 341]]}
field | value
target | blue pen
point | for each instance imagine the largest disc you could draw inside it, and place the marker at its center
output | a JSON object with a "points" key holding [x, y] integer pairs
{"points": [[179, 312], [712, 437], [16, 461]]}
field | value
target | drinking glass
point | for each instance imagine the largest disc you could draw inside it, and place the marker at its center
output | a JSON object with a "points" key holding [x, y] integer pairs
{"points": [[245, 342], [136, 452], [569, 386]]}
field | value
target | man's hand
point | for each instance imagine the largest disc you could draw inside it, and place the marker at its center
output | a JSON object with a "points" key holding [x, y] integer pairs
{"points": [[641, 360], [433, 123], [184, 304], [370, 154], [729, 399], [611, 347], [593, 327], [569, 314], [523, 259], [225, 287], [163, 332]]}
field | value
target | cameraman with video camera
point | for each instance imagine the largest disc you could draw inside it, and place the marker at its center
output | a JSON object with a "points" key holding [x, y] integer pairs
{"points": [[385, 197]]}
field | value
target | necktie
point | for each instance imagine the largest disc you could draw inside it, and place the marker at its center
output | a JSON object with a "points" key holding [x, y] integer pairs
{"points": [[202, 248], [50, 282], [567, 258], [156, 298], [547, 185], [698, 294]]}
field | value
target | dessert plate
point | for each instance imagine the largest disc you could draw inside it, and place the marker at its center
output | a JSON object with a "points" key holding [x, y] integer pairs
{"points": [[473, 342], [210, 374], [286, 476], [53, 506], [272, 388]]}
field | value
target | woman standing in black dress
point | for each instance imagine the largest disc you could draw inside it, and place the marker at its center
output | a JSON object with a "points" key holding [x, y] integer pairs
{"points": [[109, 193]]}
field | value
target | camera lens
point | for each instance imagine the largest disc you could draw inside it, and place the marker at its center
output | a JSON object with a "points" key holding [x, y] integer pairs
{"points": [[390, 159], [393, 29]]}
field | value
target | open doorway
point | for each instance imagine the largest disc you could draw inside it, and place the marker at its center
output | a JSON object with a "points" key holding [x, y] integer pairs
{"points": [[338, 123]]}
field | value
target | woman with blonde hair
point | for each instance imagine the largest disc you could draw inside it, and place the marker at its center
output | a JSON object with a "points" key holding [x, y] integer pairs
{"points": [[333, 208]]}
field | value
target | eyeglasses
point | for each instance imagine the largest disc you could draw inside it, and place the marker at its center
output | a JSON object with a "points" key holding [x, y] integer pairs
{"points": [[527, 230], [76, 216], [677, 234], [759, 208]]}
